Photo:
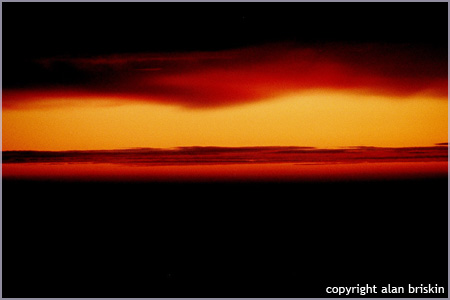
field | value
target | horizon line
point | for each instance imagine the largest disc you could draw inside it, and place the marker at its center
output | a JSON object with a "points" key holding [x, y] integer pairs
{"points": [[178, 148]]}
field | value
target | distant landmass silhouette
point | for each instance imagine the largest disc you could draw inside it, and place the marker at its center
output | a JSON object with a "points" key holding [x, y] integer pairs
{"points": [[234, 155]]}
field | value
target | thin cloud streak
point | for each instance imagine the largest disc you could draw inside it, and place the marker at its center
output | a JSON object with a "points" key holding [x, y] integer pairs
{"points": [[231, 155]]}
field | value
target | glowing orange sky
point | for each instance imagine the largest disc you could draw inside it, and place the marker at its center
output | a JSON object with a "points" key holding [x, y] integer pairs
{"points": [[268, 96], [322, 118]]}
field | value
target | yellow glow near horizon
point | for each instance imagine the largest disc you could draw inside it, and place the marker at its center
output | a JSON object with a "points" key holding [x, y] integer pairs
{"points": [[324, 119]]}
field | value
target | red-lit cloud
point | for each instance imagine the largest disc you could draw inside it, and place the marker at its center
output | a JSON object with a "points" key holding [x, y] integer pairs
{"points": [[231, 77], [223, 164]]}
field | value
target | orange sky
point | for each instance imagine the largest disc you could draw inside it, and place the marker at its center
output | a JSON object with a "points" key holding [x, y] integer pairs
{"points": [[268, 96], [321, 118]]}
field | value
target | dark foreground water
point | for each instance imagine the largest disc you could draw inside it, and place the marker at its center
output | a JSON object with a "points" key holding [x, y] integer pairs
{"points": [[290, 239]]}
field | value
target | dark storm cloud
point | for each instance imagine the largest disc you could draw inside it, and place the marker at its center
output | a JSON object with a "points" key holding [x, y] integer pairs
{"points": [[230, 77]]}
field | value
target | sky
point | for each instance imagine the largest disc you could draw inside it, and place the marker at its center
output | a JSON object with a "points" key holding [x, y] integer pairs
{"points": [[236, 75]]}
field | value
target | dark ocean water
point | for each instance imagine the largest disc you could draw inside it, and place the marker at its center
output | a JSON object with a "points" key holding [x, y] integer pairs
{"points": [[198, 239]]}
